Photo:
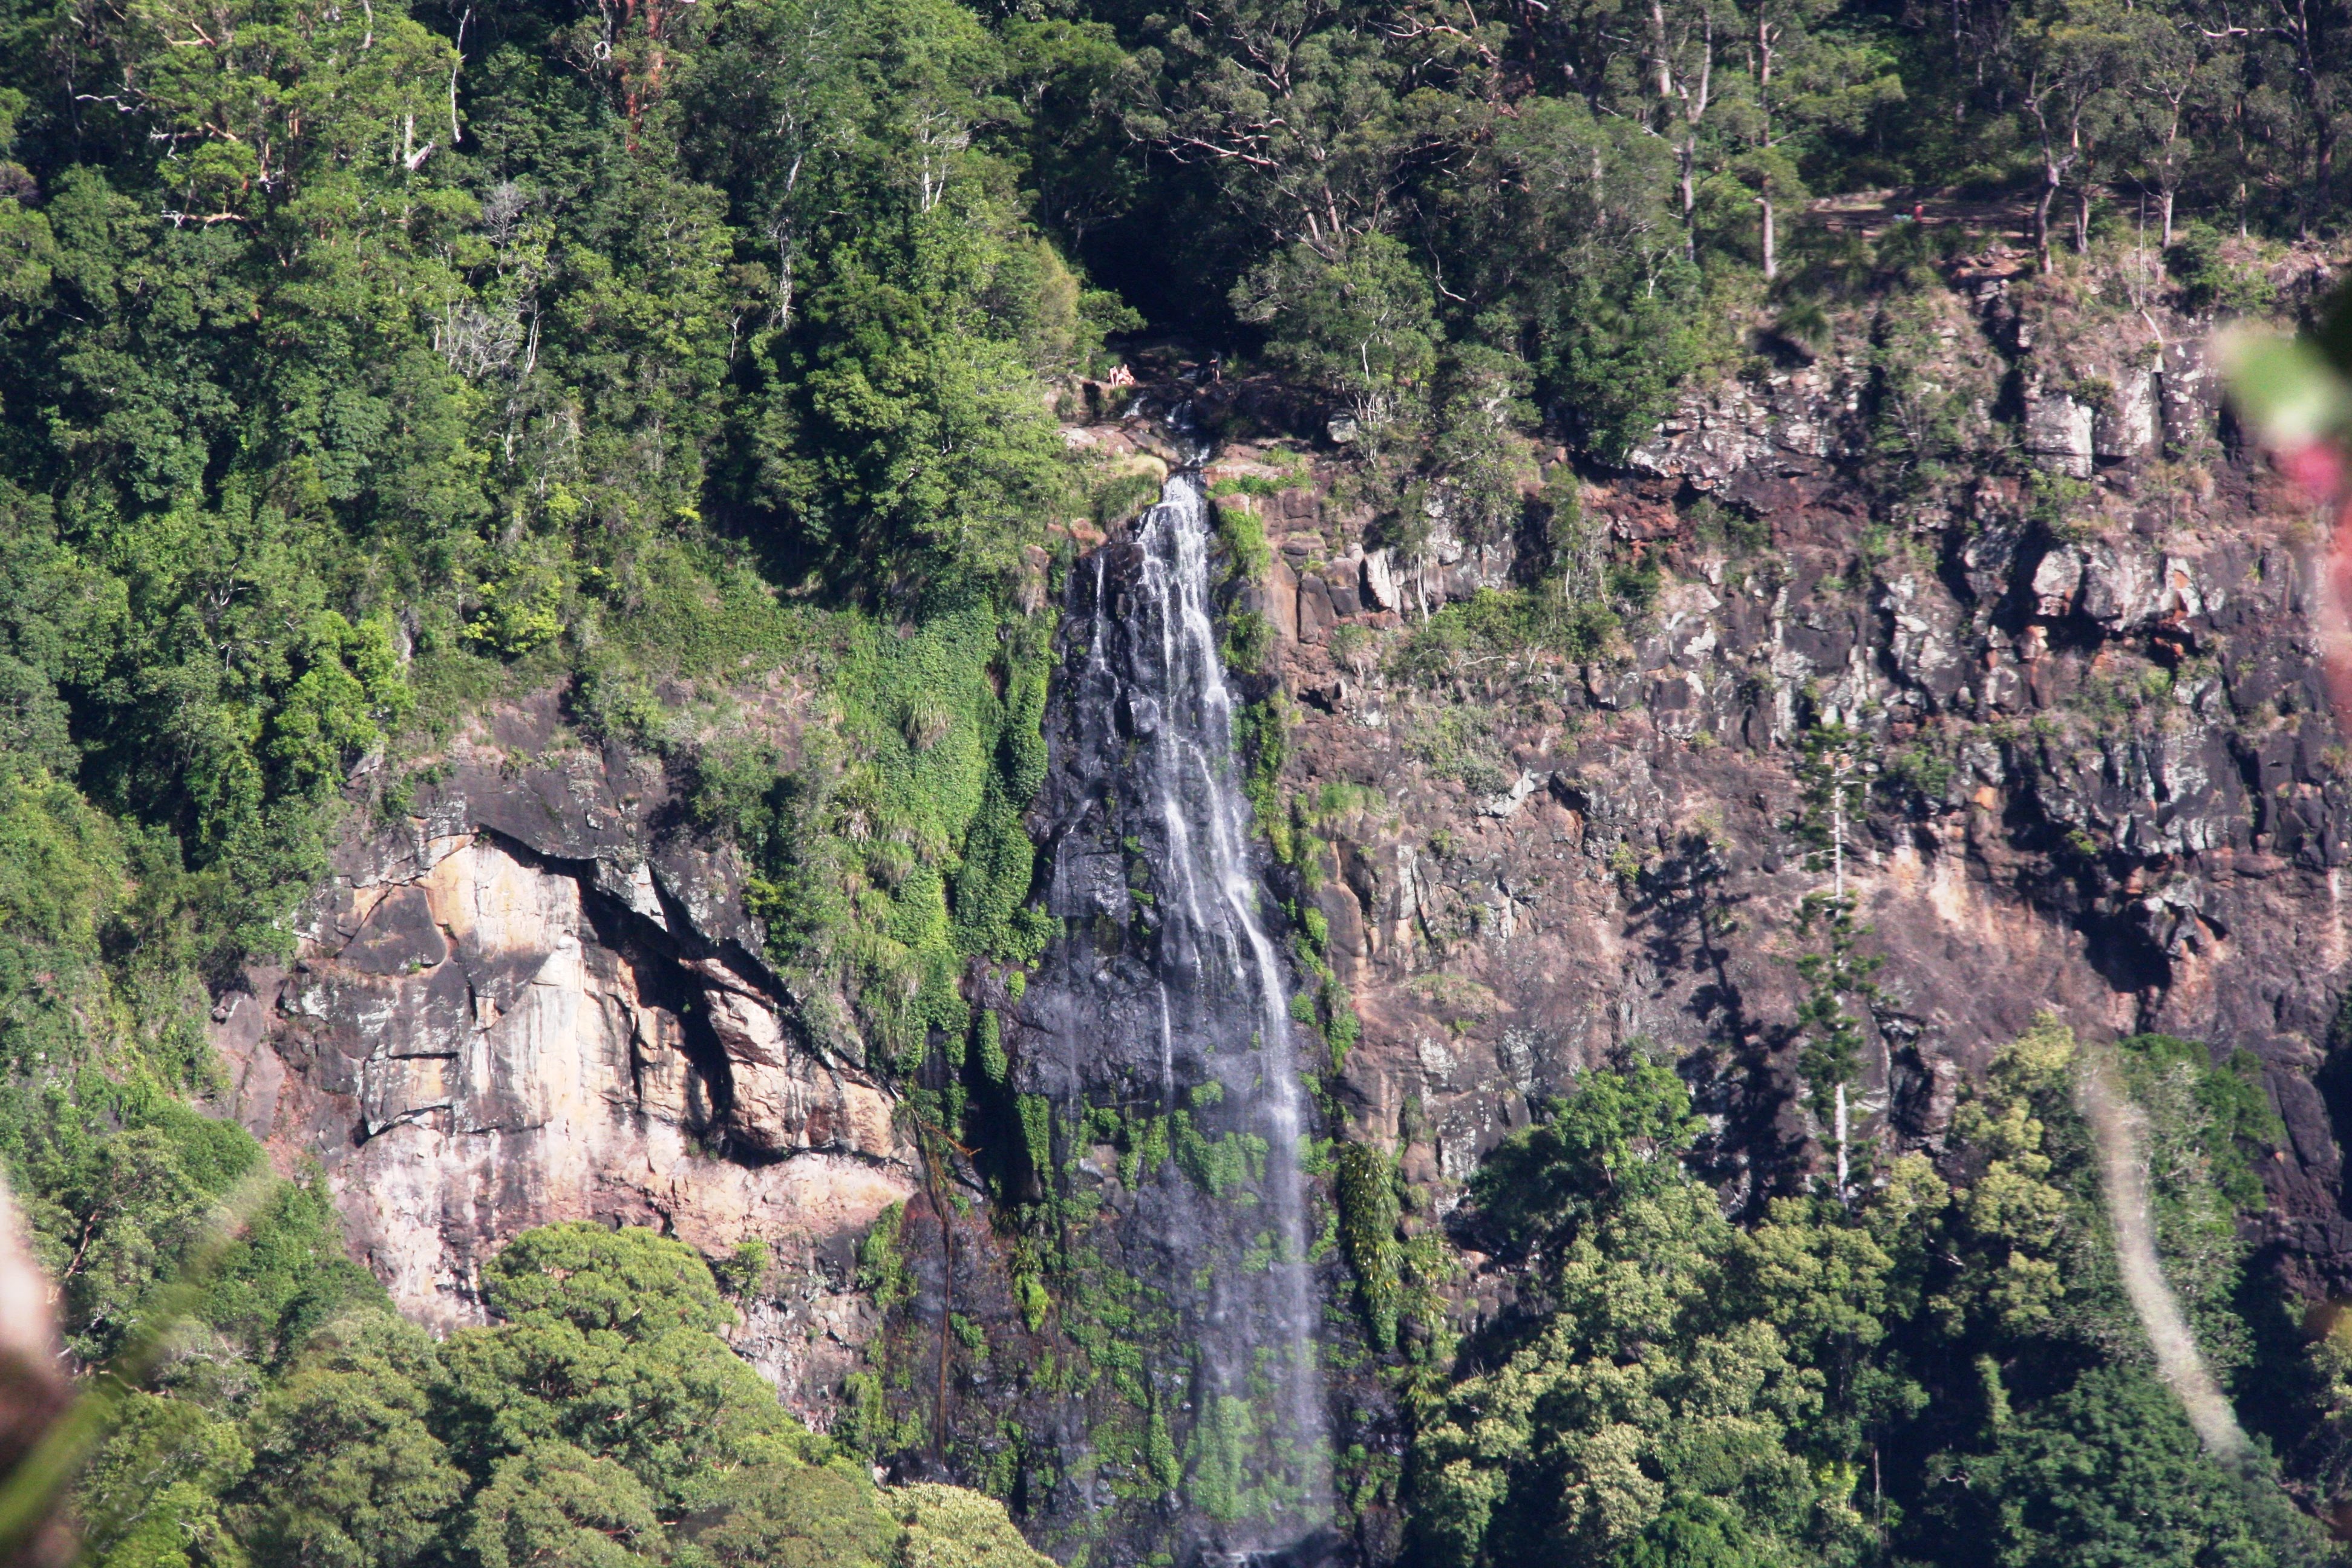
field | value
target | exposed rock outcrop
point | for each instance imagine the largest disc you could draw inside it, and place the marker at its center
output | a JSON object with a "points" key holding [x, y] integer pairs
{"points": [[2110, 781], [533, 997]]}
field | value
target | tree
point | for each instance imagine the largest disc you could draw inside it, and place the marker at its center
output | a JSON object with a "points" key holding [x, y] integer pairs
{"points": [[610, 1348], [800, 1516], [264, 106], [1669, 1406], [599, 1279], [1682, 60], [151, 1497], [2170, 60], [810, 107], [1360, 327], [1806, 81], [1835, 765], [2071, 70], [1620, 1135], [904, 440], [1293, 107], [949, 1526], [2108, 1474], [346, 1473], [1584, 244], [553, 1505]]}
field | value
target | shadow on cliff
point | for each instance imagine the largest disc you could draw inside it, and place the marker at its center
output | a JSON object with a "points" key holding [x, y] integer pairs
{"points": [[1687, 915]]}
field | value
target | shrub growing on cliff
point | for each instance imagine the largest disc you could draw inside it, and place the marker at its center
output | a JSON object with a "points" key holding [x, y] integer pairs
{"points": [[1365, 1190]]}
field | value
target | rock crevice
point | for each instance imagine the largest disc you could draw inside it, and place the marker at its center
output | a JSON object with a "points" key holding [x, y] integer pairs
{"points": [[536, 997]]}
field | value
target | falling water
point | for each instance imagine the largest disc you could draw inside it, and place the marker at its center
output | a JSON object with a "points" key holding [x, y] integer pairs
{"points": [[1173, 993]]}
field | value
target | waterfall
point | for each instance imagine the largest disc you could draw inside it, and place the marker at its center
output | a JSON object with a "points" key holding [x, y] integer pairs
{"points": [[1169, 1000]]}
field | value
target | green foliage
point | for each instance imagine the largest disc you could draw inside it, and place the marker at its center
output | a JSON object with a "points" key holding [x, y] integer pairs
{"points": [[346, 1471], [1616, 353], [1837, 970], [598, 1279], [746, 1272], [348, 366], [881, 1271], [800, 1516], [120, 1185], [152, 1496], [551, 1503], [904, 439], [1477, 466], [1037, 1131], [1360, 329], [2213, 282], [360, 364], [987, 1055], [1365, 1190], [1243, 535], [2108, 1473], [1694, 1390], [1247, 641], [611, 1345], [1501, 623], [1261, 738], [896, 852], [1124, 495], [1620, 1135], [602, 1423], [1220, 1475], [1221, 1163], [949, 1526], [2227, 1115], [1598, 1434], [2057, 502], [1574, 610]]}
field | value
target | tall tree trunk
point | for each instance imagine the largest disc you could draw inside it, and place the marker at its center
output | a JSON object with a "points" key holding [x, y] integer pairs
{"points": [[2083, 219], [2041, 220], [1689, 160], [2168, 217], [1772, 250], [1658, 44], [2323, 184]]}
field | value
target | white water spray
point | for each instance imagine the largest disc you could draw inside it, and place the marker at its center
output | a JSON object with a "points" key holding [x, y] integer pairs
{"points": [[1210, 880], [1170, 998]]}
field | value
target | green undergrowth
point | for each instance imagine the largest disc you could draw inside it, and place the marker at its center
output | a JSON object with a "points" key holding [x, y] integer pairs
{"points": [[892, 853], [1946, 1355], [600, 1416]]}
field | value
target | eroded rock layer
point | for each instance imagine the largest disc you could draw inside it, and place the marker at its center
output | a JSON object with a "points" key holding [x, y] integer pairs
{"points": [[530, 998], [2110, 784]]}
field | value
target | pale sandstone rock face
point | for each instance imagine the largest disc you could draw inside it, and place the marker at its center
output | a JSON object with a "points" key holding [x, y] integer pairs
{"points": [[476, 1038]]}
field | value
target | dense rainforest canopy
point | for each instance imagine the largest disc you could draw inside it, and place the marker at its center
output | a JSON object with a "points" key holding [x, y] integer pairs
{"points": [[362, 361]]}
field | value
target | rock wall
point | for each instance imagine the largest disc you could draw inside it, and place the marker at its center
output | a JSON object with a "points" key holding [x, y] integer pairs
{"points": [[2110, 784], [533, 997]]}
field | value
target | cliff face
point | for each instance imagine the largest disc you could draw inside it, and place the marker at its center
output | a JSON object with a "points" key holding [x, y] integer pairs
{"points": [[2109, 782], [534, 995]]}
